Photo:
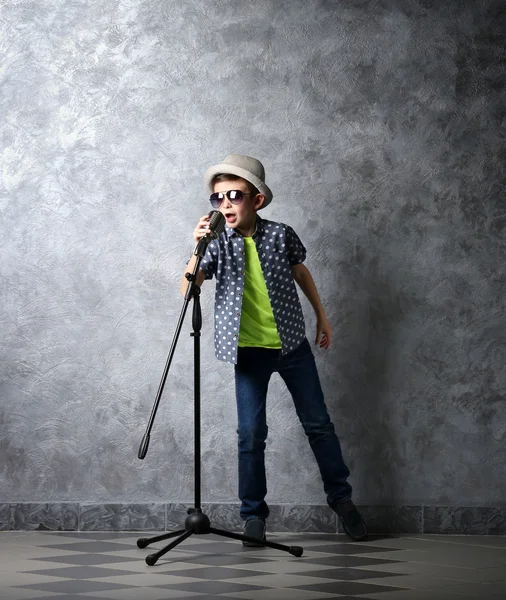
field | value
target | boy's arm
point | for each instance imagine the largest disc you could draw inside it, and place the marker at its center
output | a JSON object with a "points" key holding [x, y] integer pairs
{"points": [[189, 269], [306, 283], [200, 230]]}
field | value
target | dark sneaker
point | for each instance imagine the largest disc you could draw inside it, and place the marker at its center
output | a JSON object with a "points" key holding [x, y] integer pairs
{"points": [[254, 528], [351, 520]]}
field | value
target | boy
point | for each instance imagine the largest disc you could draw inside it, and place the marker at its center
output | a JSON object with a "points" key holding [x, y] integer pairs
{"points": [[259, 327]]}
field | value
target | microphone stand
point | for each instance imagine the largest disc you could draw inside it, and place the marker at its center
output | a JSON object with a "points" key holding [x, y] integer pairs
{"points": [[197, 522]]}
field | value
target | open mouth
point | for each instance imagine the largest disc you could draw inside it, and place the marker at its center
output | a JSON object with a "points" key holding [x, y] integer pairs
{"points": [[230, 217]]}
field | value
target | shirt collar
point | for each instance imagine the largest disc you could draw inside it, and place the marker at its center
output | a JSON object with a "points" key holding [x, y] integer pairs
{"points": [[230, 232]]}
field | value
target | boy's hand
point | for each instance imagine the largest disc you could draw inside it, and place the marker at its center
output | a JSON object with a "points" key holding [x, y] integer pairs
{"points": [[202, 228], [323, 333]]}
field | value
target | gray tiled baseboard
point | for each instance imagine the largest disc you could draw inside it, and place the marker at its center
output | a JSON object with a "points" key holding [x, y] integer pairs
{"points": [[453, 519], [53, 516], [75, 516]]}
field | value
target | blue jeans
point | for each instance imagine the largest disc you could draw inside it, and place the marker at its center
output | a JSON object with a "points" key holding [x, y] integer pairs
{"points": [[298, 370]]}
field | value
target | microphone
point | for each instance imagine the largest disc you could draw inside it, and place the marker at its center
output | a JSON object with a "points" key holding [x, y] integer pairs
{"points": [[216, 225]]}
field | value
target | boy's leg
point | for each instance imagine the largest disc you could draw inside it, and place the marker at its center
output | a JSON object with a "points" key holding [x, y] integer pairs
{"points": [[298, 370], [252, 374]]}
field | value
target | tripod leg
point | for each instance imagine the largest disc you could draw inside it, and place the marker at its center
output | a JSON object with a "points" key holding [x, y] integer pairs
{"points": [[152, 558], [143, 542], [294, 550]]}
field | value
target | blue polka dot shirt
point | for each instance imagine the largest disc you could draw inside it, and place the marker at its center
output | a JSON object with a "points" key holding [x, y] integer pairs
{"points": [[279, 248]]}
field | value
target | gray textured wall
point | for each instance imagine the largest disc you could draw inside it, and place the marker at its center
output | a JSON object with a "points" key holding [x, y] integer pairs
{"points": [[381, 127]]}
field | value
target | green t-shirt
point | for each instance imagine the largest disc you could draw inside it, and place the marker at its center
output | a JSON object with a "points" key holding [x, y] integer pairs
{"points": [[258, 327]]}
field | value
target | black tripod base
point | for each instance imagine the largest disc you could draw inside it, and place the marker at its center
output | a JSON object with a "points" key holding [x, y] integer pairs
{"points": [[198, 523]]}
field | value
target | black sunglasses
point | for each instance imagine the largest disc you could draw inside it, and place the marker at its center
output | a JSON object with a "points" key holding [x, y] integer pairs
{"points": [[235, 196]]}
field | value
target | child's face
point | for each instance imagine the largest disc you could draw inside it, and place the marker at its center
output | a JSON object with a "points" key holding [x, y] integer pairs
{"points": [[239, 216]]}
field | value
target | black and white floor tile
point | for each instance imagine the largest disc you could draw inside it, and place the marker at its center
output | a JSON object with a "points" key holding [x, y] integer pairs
{"points": [[108, 565]]}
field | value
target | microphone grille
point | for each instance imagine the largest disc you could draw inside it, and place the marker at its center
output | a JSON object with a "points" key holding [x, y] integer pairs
{"points": [[216, 223]]}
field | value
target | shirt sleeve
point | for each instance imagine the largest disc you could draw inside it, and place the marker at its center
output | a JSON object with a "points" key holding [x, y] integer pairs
{"points": [[210, 261], [294, 247]]}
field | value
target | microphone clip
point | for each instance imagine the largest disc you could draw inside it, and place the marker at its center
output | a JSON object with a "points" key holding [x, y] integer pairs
{"points": [[201, 247]]}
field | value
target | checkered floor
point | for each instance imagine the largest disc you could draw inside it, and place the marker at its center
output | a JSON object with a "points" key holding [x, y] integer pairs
{"points": [[98, 566]]}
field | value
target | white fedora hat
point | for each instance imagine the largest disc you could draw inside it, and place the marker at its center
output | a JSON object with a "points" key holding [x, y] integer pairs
{"points": [[246, 167]]}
